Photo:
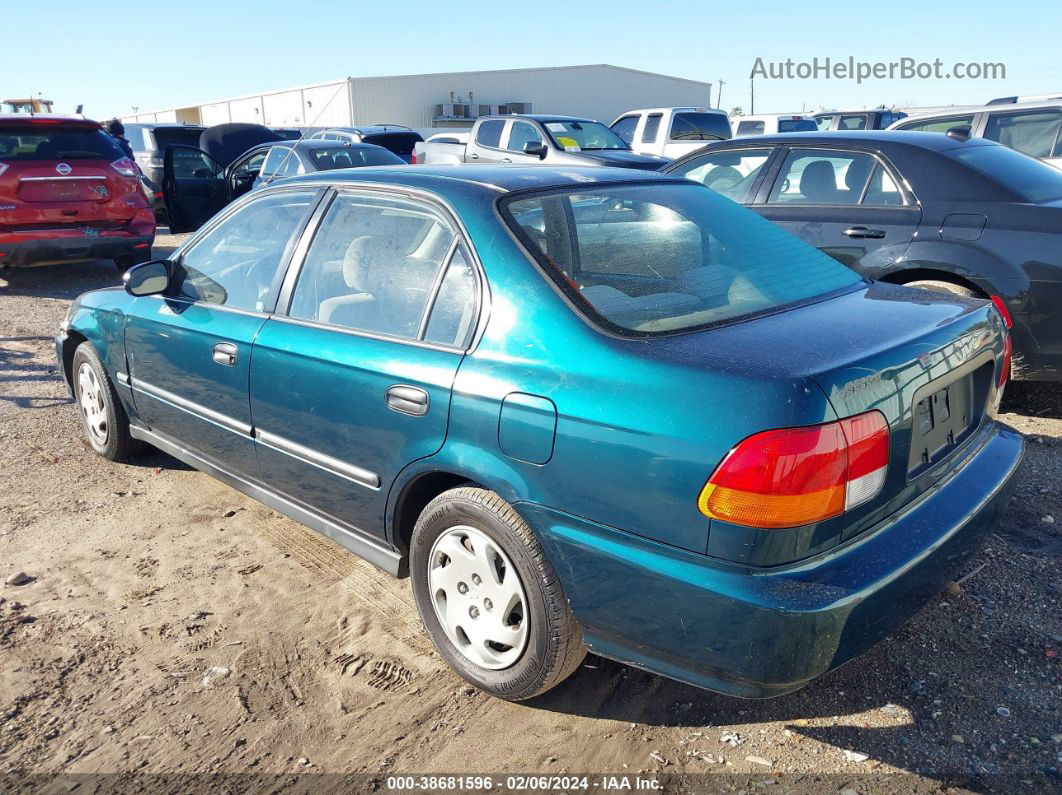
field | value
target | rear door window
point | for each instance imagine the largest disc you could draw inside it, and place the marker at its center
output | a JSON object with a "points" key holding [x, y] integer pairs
{"points": [[939, 125], [856, 122], [652, 128], [1034, 134], [811, 176], [730, 172], [489, 133], [373, 266]]}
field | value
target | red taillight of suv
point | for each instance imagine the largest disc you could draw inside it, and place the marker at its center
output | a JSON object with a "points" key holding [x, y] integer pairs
{"points": [[796, 476], [413, 157], [125, 167]]}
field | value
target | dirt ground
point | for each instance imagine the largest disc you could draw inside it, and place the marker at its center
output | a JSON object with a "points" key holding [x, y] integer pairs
{"points": [[147, 576]]}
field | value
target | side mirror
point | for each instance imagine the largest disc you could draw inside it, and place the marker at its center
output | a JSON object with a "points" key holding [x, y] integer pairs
{"points": [[536, 148], [147, 278]]}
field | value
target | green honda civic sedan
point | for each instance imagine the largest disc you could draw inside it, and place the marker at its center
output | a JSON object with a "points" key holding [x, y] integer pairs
{"points": [[581, 408]]}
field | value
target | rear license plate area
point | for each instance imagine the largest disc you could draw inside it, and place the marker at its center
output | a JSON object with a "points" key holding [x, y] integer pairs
{"points": [[942, 419]]}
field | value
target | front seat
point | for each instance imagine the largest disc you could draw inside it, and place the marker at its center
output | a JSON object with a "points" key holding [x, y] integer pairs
{"points": [[818, 183]]}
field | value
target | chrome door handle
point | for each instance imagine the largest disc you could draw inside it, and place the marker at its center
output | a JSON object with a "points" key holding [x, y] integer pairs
{"points": [[506, 160], [862, 231], [225, 353], [473, 156], [408, 400]]}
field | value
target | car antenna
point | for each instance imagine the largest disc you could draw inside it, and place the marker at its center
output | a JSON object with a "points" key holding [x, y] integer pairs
{"points": [[291, 149]]}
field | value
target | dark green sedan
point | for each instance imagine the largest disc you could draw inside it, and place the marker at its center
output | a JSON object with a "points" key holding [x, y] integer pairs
{"points": [[582, 408]]}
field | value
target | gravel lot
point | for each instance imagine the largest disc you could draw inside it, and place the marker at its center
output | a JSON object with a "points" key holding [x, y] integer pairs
{"points": [[147, 576]]}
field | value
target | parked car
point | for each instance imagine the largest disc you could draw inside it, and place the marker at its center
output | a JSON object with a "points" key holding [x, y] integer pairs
{"points": [[1033, 128], [394, 137], [581, 407], [671, 132], [771, 123], [149, 142], [876, 119], [967, 217], [197, 181], [69, 193], [538, 140], [259, 167]]}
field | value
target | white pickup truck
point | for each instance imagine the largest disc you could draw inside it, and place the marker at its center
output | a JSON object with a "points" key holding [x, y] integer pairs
{"points": [[538, 140], [671, 132]]}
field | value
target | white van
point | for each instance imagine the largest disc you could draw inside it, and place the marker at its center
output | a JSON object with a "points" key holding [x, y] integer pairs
{"points": [[771, 123], [671, 132]]}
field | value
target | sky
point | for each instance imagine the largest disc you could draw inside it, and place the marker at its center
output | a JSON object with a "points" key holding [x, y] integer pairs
{"points": [[112, 57]]}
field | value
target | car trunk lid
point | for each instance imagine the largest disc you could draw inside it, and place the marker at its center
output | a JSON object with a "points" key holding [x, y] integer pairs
{"points": [[928, 362]]}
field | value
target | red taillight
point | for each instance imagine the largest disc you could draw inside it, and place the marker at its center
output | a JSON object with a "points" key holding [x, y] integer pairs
{"points": [[1008, 354], [413, 158], [125, 167], [1003, 311], [797, 476]]}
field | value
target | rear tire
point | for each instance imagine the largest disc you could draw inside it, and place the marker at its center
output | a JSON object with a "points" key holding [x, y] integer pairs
{"points": [[103, 417], [943, 287], [515, 650]]}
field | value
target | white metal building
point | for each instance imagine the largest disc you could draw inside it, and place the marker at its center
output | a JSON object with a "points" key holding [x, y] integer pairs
{"points": [[599, 91]]}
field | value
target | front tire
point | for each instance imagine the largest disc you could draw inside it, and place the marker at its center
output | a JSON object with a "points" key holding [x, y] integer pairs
{"points": [[489, 598], [103, 417]]}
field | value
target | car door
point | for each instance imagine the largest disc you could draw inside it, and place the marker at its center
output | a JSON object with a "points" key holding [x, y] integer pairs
{"points": [[521, 133], [486, 146], [736, 171], [242, 173], [194, 187], [189, 350], [848, 203], [351, 381]]}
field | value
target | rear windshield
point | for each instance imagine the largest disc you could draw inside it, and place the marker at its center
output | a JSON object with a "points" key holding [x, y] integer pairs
{"points": [[1032, 179], [401, 143], [48, 142], [797, 125], [700, 127], [655, 259], [353, 157], [168, 136]]}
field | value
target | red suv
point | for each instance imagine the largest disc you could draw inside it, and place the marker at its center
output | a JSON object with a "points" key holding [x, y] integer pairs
{"points": [[68, 193]]}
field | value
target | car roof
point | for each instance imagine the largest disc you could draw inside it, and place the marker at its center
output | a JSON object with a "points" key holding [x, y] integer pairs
{"points": [[497, 179], [994, 107], [368, 129], [764, 116], [861, 110], [937, 142], [683, 109], [540, 117], [45, 118]]}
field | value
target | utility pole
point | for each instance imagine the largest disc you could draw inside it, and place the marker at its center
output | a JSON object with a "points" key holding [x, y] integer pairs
{"points": [[719, 94], [752, 96]]}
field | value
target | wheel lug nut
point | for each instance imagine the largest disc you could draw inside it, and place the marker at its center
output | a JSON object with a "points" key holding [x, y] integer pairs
{"points": [[462, 588], [476, 579], [473, 611], [487, 603]]}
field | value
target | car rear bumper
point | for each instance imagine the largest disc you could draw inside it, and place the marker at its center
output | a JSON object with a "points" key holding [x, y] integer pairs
{"points": [[44, 251], [759, 632]]}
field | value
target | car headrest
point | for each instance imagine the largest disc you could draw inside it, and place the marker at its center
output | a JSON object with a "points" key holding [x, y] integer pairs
{"points": [[856, 175], [818, 182]]}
